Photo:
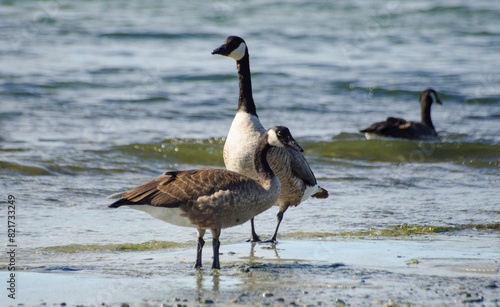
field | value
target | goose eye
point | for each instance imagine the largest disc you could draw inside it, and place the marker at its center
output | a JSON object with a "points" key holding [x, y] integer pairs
{"points": [[278, 133]]}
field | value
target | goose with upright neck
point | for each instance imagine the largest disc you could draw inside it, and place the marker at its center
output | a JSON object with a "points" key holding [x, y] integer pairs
{"points": [[246, 128], [401, 128], [297, 180], [210, 198]]}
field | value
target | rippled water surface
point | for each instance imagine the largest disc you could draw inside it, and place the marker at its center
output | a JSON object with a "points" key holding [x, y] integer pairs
{"points": [[100, 96]]}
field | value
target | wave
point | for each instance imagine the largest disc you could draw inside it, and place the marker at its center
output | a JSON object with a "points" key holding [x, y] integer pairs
{"points": [[193, 152], [150, 99], [394, 150], [179, 150], [117, 159], [157, 35], [483, 100], [199, 77], [465, 11], [345, 146], [25, 169]]}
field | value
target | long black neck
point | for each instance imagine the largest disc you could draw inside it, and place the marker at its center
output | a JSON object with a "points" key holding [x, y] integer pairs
{"points": [[245, 102], [260, 163], [425, 110]]}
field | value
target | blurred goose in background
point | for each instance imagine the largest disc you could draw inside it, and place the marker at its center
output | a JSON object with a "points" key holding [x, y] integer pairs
{"points": [[400, 128], [297, 180], [212, 198]]}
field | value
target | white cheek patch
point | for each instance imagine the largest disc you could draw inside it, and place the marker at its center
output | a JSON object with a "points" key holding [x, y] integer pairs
{"points": [[239, 52], [273, 140]]}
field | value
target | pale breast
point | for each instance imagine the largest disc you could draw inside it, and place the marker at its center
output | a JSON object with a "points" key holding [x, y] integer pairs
{"points": [[170, 215], [240, 143]]}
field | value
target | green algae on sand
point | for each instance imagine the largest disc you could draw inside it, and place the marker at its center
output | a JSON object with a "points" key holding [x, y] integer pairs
{"points": [[150, 245], [398, 230]]}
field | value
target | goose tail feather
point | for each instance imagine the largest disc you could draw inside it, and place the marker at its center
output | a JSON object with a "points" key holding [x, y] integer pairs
{"points": [[320, 193]]}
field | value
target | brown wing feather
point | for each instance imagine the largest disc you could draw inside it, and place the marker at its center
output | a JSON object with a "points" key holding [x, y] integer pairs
{"points": [[175, 188], [294, 173], [301, 168], [287, 162]]}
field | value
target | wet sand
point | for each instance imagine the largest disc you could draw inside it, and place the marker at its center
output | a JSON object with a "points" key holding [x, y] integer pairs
{"points": [[439, 270]]}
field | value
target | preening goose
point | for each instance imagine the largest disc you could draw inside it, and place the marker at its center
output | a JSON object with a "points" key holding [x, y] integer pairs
{"points": [[297, 180], [212, 198], [400, 128]]}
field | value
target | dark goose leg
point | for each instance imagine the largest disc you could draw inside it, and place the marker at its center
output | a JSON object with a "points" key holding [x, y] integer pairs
{"points": [[254, 237], [199, 248], [216, 245], [273, 239]]}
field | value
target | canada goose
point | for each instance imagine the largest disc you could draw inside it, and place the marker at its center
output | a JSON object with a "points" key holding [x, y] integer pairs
{"points": [[212, 198], [297, 179], [400, 128]]}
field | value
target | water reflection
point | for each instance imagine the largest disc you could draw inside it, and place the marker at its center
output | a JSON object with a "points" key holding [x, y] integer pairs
{"points": [[208, 280], [252, 257], [203, 276]]}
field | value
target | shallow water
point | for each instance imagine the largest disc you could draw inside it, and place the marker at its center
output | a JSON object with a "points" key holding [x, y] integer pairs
{"points": [[100, 96], [435, 270]]}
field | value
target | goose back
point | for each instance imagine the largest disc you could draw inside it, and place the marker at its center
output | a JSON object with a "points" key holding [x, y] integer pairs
{"points": [[205, 198], [401, 128]]}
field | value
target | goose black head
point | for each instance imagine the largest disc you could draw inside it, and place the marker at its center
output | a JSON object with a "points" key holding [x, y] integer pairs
{"points": [[233, 47], [280, 136], [429, 96]]}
